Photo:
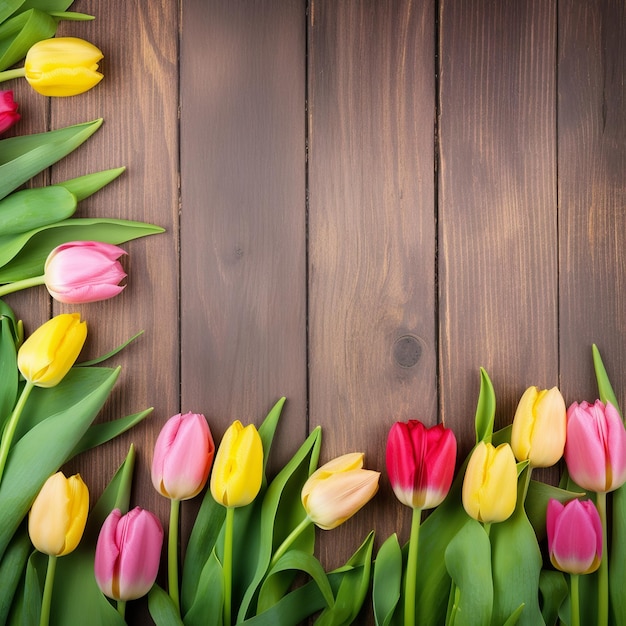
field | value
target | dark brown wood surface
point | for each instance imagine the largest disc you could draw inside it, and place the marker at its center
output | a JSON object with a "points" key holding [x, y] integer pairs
{"points": [[364, 202]]}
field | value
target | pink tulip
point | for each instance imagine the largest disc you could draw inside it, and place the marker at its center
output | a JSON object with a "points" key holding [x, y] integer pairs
{"points": [[8, 111], [84, 271], [128, 554], [183, 455], [420, 463], [595, 447], [574, 536]]}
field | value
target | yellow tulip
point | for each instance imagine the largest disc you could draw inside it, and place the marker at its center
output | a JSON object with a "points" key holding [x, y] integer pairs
{"points": [[238, 466], [338, 489], [62, 66], [49, 353], [490, 483], [539, 427], [58, 515]]}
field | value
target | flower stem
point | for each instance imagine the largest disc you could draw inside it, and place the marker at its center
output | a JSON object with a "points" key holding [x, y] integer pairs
{"points": [[25, 283], [121, 608], [293, 535], [10, 74], [603, 571], [228, 564], [47, 591], [9, 429], [411, 569], [172, 553], [574, 600]]}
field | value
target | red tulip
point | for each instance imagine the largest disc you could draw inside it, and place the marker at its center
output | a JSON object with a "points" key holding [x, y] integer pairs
{"points": [[574, 536], [84, 271], [183, 455], [8, 111], [420, 463], [595, 448], [128, 554]]}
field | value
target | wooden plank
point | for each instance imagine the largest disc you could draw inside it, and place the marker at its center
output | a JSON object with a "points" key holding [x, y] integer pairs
{"points": [[592, 193], [243, 326], [497, 205], [372, 237]]}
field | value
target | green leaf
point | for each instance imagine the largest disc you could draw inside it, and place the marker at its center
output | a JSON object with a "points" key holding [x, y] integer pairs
{"points": [[352, 589], [207, 610], [71, 16], [24, 255], [604, 384], [22, 31], [267, 430], [33, 589], [8, 7], [515, 616], [468, 560], [387, 580], [12, 568], [85, 186], [32, 459], [553, 588], [112, 353], [162, 608], [486, 409], [537, 503], [8, 367], [23, 156]]}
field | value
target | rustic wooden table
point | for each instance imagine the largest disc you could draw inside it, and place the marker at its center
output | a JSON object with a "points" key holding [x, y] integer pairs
{"points": [[364, 202]]}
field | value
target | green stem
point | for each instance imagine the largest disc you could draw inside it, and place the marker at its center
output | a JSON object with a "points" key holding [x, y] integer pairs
{"points": [[10, 74], [411, 569], [574, 600], [172, 553], [228, 564], [18, 285], [293, 535], [603, 571], [121, 608], [9, 429], [47, 591]]}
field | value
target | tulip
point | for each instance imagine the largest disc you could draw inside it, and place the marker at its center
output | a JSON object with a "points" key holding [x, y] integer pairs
{"points": [[62, 66], [235, 482], [238, 467], [128, 552], [490, 483], [183, 455], [56, 522], [595, 450], [44, 359], [575, 542], [84, 271], [338, 489], [8, 111], [539, 427], [420, 463]]}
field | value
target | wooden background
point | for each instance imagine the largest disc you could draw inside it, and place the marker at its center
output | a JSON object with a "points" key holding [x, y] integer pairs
{"points": [[365, 201]]}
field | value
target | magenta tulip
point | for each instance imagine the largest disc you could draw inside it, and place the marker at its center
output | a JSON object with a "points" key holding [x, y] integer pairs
{"points": [[595, 448], [183, 455], [84, 271], [574, 536], [8, 111], [128, 554], [420, 463]]}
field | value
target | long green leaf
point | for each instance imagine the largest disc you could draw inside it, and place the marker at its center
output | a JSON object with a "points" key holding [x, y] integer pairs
{"points": [[24, 255], [8, 7], [605, 389], [387, 580], [24, 156], [32, 459], [536, 504], [207, 610], [85, 186], [162, 608], [553, 588], [486, 409], [19, 33], [46, 5], [12, 568], [8, 367], [31, 612]]}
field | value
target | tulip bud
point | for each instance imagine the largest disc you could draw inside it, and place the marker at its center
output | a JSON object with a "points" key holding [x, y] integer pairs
{"points": [[338, 489], [420, 463], [8, 111], [49, 353], [84, 271], [539, 427], [62, 66], [574, 536], [128, 552], [58, 515], [238, 467], [490, 483], [595, 448], [183, 455]]}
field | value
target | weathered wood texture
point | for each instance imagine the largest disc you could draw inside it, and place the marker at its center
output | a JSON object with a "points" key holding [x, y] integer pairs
{"points": [[364, 202]]}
